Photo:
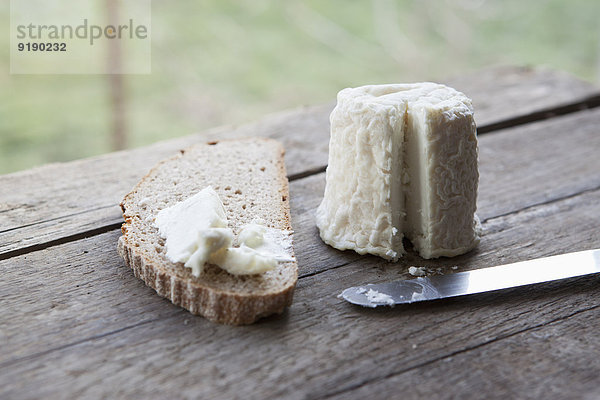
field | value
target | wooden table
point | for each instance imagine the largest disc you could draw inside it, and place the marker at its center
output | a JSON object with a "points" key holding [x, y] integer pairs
{"points": [[75, 322]]}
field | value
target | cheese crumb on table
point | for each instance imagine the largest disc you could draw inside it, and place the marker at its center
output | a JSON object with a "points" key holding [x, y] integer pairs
{"points": [[417, 271]]}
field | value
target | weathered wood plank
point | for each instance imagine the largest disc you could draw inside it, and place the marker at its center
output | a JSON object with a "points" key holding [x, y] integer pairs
{"points": [[538, 162], [49, 203], [550, 360], [313, 257], [116, 338], [84, 289], [511, 107]]}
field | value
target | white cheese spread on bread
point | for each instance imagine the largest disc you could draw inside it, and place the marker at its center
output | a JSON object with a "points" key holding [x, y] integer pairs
{"points": [[196, 232], [402, 163]]}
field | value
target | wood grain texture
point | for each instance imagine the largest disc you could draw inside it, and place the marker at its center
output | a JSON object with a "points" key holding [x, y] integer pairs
{"points": [[48, 203], [538, 162], [95, 331], [521, 93], [548, 360], [76, 323]]}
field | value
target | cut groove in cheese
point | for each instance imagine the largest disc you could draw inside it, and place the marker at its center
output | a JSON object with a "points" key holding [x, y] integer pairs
{"points": [[402, 162]]}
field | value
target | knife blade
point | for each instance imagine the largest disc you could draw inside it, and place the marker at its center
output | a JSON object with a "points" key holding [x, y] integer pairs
{"points": [[435, 287]]}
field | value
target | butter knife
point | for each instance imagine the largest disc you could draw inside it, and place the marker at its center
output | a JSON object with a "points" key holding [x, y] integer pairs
{"points": [[435, 287]]}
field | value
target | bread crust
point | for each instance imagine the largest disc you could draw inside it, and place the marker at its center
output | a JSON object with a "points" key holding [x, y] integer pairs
{"points": [[234, 304]]}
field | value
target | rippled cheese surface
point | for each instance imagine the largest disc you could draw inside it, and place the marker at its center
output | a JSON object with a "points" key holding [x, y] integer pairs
{"points": [[402, 162]]}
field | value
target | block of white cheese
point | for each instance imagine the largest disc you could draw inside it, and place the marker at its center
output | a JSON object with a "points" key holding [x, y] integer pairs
{"points": [[402, 163]]}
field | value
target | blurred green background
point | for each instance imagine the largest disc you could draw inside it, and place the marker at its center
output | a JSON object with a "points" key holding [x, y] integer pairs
{"points": [[227, 62]]}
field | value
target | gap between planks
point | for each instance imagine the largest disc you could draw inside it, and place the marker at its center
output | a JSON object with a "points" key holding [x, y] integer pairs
{"points": [[588, 103], [542, 203], [63, 240]]}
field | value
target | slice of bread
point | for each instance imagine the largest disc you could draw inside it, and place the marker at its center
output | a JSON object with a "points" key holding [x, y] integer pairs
{"points": [[249, 176]]}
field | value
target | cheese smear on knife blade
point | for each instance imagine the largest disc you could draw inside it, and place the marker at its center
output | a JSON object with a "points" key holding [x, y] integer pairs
{"points": [[402, 163]]}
